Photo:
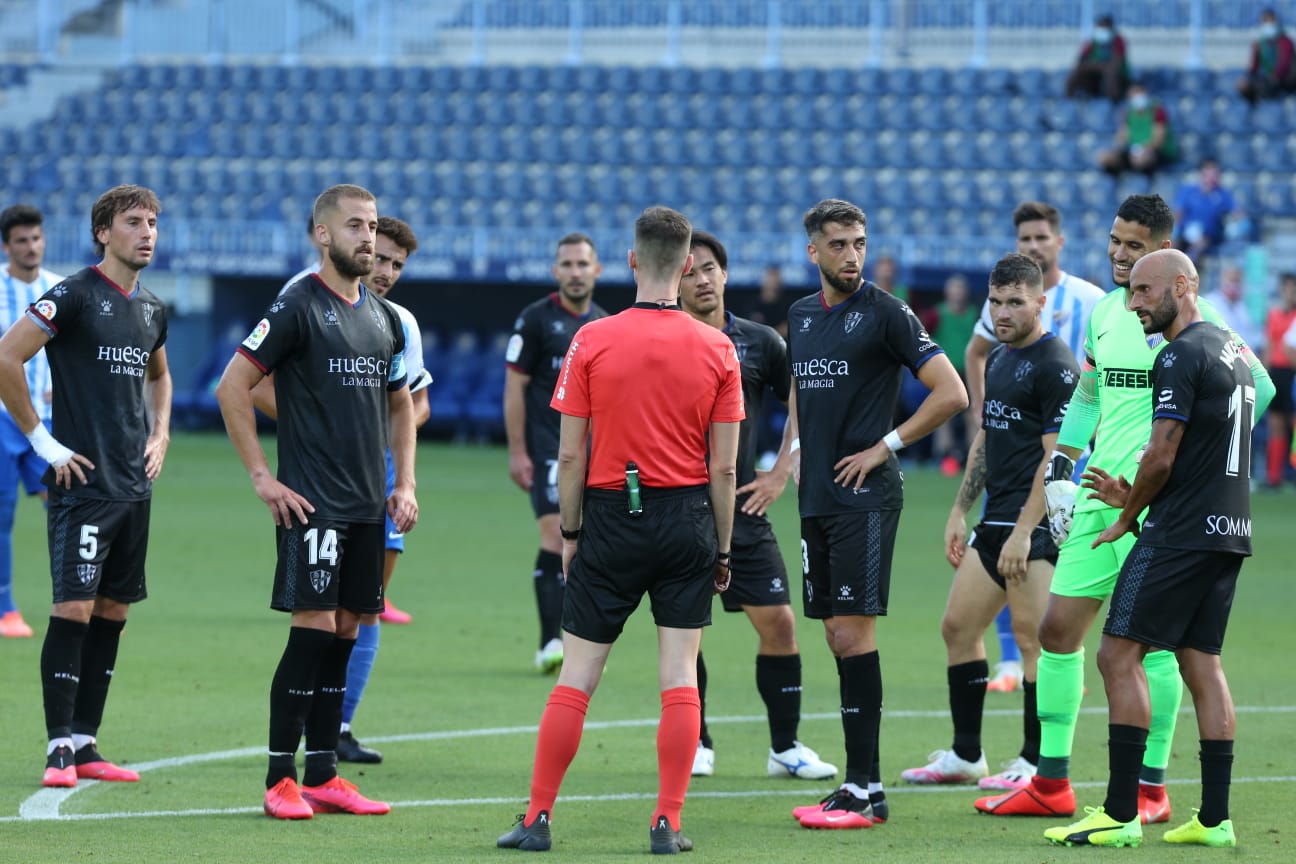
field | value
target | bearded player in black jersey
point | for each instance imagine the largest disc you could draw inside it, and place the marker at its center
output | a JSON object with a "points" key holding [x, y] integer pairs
{"points": [[1176, 586], [849, 344], [103, 334], [759, 586], [1028, 384], [541, 335], [336, 351]]}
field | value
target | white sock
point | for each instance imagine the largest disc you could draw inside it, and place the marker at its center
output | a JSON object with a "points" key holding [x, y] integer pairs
{"points": [[79, 740], [56, 743], [345, 728], [856, 791], [875, 788]]}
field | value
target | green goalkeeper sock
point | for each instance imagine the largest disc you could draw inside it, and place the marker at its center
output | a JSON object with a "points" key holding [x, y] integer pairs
{"points": [[1165, 687], [1058, 692]]}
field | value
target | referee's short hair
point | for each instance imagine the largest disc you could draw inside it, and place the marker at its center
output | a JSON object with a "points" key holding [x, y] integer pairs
{"points": [[832, 210], [18, 216], [662, 241], [399, 232], [1017, 269], [116, 200]]}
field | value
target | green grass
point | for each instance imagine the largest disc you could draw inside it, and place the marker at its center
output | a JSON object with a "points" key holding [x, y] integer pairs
{"points": [[454, 700]]}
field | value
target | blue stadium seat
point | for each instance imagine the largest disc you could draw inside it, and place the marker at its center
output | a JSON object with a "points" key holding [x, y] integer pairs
{"points": [[933, 81]]}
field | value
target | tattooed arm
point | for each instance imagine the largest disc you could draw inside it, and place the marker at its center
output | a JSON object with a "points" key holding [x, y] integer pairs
{"points": [[974, 477]]}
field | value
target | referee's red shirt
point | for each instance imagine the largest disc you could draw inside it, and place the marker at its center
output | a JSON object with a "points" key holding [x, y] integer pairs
{"points": [[652, 382]]}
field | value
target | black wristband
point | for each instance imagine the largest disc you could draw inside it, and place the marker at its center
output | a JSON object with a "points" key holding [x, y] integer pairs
{"points": [[722, 558], [569, 535]]}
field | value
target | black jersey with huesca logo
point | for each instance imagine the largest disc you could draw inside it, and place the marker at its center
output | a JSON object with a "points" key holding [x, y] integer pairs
{"points": [[334, 364], [541, 336], [763, 357], [847, 363], [1027, 391], [1202, 379], [101, 339]]}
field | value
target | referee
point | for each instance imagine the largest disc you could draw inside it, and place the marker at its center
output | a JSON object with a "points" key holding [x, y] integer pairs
{"points": [[649, 516]]}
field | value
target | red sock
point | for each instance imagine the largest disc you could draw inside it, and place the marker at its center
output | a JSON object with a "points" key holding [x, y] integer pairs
{"points": [[677, 740], [1276, 459], [1152, 791], [560, 734], [1050, 785]]}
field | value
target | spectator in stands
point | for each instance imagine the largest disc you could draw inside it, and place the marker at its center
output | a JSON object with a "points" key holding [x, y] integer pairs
{"points": [[1272, 71], [1280, 360], [1229, 299], [1144, 140], [771, 307], [955, 319], [1102, 69], [1202, 210], [884, 276]]}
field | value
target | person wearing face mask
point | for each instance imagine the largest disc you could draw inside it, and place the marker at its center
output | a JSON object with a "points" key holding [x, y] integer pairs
{"points": [[1144, 140], [1202, 212], [1272, 71], [1102, 69]]}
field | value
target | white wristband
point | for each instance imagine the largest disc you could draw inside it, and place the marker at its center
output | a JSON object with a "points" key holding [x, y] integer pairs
{"points": [[892, 440], [796, 445], [48, 448]]}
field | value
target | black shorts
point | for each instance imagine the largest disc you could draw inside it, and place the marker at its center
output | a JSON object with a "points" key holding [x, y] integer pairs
{"points": [[759, 576], [989, 540], [330, 564], [97, 548], [1282, 379], [1174, 598], [846, 560], [544, 487], [668, 551]]}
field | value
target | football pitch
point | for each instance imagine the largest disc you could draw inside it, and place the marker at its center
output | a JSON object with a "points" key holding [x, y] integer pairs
{"points": [[454, 700]]}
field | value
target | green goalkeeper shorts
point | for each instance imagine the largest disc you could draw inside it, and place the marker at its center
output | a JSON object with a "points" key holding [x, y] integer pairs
{"points": [[1085, 572]]}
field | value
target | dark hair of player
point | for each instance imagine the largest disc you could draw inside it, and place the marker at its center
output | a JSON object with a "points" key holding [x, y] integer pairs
{"points": [[712, 242], [1150, 211], [832, 210], [399, 232], [1017, 269], [1034, 211], [116, 200], [18, 216], [661, 240]]}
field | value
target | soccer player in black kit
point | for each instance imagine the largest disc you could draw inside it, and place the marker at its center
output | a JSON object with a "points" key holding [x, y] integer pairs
{"points": [[760, 585], [103, 334], [340, 389], [849, 343], [1176, 587], [1029, 379], [541, 335]]}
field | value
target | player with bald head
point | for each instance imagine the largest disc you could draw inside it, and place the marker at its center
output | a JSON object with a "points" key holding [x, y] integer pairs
{"points": [[1176, 586]]}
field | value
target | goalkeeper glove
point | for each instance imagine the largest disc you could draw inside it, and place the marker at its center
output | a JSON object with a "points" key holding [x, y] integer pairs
{"points": [[1059, 495]]}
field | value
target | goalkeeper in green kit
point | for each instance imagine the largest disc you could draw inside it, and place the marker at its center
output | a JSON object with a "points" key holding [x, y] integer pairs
{"points": [[1114, 398]]}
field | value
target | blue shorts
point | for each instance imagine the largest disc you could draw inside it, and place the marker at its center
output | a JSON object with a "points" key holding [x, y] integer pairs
{"points": [[18, 461], [395, 539]]}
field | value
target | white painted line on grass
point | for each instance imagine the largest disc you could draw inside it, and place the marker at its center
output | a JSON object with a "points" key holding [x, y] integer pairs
{"points": [[46, 804]]}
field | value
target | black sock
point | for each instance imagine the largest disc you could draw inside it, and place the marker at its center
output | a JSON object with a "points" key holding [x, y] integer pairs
{"points": [[967, 690], [291, 693], [861, 685], [705, 737], [778, 680], [1030, 723], [549, 595], [320, 768], [325, 715], [1217, 772], [60, 666], [1125, 748], [98, 657]]}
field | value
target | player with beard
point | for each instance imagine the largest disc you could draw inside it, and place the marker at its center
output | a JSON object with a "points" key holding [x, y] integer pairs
{"points": [[22, 282], [848, 344], [760, 585], [1028, 384], [1068, 303], [1176, 586], [340, 391], [541, 335], [104, 335], [1113, 399]]}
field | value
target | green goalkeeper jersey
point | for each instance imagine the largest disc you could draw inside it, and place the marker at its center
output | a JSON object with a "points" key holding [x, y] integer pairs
{"points": [[1122, 355]]}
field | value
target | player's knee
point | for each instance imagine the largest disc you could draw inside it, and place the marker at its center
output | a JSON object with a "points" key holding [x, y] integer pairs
{"points": [[956, 632], [1057, 636], [778, 632]]}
